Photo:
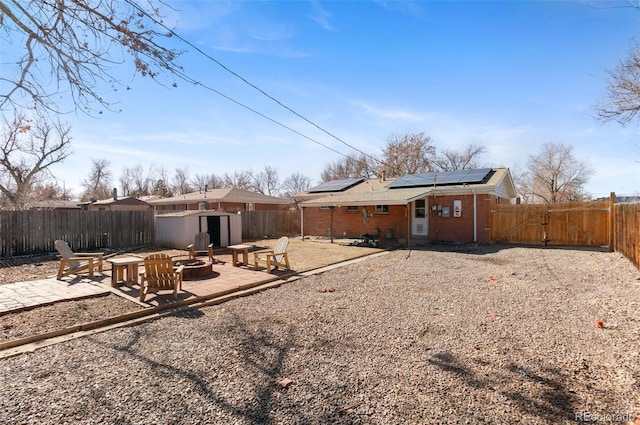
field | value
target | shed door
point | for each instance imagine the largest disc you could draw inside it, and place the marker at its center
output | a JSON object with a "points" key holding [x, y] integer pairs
{"points": [[213, 226], [419, 218]]}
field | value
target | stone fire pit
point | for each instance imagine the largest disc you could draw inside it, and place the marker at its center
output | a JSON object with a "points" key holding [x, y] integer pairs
{"points": [[194, 269]]}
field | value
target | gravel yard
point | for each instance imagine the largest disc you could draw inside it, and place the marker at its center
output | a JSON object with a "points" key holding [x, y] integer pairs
{"points": [[488, 334]]}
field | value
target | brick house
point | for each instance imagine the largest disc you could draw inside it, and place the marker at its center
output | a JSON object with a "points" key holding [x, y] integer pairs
{"points": [[228, 200], [419, 208]]}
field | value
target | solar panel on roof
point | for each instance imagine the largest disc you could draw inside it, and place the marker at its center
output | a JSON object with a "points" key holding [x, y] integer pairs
{"points": [[335, 185], [444, 178]]}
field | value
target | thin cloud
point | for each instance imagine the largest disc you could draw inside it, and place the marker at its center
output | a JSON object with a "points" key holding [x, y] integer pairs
{"points": [[321, 16], [388, 114], [409, 7]]}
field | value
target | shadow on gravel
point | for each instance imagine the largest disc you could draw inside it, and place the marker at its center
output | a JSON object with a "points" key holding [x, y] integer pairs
{"points": [[258, 391], [541, 394]]}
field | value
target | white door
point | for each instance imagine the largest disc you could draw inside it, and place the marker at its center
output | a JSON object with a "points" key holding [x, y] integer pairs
{"points": [[419, 218]]}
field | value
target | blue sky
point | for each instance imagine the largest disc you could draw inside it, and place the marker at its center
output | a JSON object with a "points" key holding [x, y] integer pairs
{"points": [[508, 75]]}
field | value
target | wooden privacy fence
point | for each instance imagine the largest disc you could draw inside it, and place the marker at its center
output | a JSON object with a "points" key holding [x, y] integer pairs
{"points": [[269, 223], [626, 233], [573, 224], [33, 232]]}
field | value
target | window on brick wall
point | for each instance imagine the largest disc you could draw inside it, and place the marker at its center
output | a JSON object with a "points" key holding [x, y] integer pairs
{"points": [[353, 208], [382, 209], [325, 208]]}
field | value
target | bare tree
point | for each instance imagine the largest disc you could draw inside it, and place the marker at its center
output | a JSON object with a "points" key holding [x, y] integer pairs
{"points": [[135, 182], [215, 182], [623, 89], [200, 182], [161, 186], [51, 191], [70, 47], [239, 180], [351, 166], [555, 175], [206, 181], [98, 184], [408, 154], [465, 159], [28, 148], [295, 183], [180, 183], [266, 181]]}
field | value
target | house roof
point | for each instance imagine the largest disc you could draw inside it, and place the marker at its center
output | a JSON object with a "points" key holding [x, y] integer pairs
{"points": [[378, 192], [125, 200], [56, 204], [221, 195]]}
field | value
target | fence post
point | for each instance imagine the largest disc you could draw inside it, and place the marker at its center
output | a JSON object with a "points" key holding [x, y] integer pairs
{"points": [[612, 218]]}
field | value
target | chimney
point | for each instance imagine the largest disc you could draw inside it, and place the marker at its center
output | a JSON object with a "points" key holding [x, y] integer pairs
{"points": [[382, 176], [115, 194]]}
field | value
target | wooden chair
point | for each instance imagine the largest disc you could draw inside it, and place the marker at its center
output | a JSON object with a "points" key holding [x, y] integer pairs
{"points": [[201, 247], [159, 275], [275, 258], [77, 262]]}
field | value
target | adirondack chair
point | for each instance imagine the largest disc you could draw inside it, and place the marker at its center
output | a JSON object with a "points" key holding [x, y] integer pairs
{"points": [[77, 262], [201, 247], [275, 258], [159, 275]]}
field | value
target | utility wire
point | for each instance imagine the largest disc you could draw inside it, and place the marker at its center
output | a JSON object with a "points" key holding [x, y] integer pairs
{"points": [[211, 58], [198, 83], [191, 80]]}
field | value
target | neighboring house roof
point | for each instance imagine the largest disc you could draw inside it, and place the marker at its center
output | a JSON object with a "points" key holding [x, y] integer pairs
{"points": [[222, 195], [126, 200], [148, 198], [498, 182], [56, 205]]}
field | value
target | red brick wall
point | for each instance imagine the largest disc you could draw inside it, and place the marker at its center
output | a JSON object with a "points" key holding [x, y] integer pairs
{"points": [[350, 224], [447, 229], [460, 229]]}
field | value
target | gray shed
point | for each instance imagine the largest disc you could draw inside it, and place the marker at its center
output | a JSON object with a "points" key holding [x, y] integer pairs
{"points": [[177, 230]]}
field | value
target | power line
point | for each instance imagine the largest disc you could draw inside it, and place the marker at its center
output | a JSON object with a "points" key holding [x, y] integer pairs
{"points": [[198, 83], [211, 58]]}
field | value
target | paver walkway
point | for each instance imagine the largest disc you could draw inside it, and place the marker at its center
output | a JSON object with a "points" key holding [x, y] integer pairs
{"points": [[23, 295]]}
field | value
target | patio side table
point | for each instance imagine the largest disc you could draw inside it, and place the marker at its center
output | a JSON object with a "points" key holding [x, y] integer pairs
{"points": [[122, 264], [236, 249]]}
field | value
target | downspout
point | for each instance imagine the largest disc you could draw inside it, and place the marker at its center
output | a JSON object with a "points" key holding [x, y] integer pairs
{"points": [[475, 216], [331, 224], [407, 211]]}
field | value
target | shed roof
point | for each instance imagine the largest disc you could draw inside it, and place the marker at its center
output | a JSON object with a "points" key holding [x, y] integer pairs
{"points": [[221, 195], [201, 213]]}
